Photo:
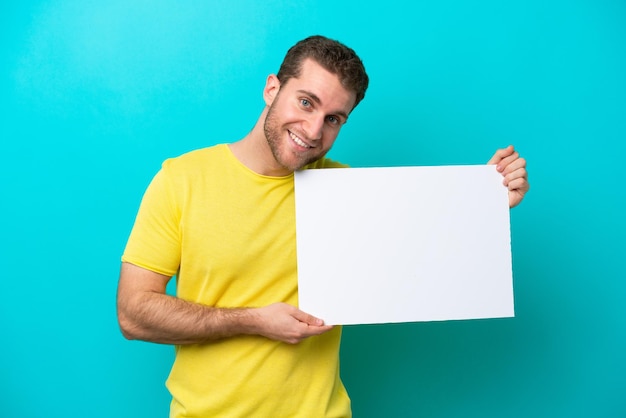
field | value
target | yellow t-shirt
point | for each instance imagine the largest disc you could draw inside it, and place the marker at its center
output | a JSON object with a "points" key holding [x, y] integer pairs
{"points": [[229, 236]]}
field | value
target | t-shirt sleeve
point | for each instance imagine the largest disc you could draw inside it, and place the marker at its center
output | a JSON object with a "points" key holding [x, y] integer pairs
{"points": [[155, 240]]}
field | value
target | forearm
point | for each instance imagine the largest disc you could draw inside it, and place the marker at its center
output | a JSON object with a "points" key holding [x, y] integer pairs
{"points": [[165, 319], [145, 312]]}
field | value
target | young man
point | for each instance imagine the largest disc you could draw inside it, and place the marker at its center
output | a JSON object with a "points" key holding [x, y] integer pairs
{"points": [[222, 220]]}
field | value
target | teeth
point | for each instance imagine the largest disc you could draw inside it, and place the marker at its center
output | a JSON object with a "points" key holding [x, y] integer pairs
{"points": [[298, 140]]}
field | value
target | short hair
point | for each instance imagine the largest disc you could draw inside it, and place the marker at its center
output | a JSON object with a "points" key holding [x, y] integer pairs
{"points": [[333, 56]]}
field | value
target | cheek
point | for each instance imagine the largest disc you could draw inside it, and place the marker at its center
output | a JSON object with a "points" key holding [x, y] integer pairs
{"points": [[287, 109], [330, 136]]}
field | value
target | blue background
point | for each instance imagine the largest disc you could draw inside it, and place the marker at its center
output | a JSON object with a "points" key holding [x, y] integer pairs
{"points": [[94, 95]]}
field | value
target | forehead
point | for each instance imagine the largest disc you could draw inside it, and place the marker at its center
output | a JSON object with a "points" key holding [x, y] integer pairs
{"points": [[325, 85]]}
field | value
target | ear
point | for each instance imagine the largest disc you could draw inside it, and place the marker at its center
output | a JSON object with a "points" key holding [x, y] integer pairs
{"points": [[272, 85]]}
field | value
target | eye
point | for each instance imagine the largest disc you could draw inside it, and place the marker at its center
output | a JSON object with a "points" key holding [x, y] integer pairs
{"points": [[305, 102], [333, 120]]}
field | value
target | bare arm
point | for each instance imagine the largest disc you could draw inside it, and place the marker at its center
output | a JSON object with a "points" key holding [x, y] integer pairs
{"points": [[146, 312]]}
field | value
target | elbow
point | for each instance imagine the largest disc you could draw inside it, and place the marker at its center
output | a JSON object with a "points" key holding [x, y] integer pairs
{"points": [[127, 332], [129, 315], [128, 327], [137, 293]]}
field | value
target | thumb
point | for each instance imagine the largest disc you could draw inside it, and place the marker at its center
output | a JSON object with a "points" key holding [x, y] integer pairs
{"points": [[307, 318]]}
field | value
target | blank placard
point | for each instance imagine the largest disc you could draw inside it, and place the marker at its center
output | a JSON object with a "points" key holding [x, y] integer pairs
{"points": [[403, 244]]}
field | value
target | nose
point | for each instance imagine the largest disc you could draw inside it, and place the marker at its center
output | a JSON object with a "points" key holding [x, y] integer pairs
{"points": [[314, 127]]}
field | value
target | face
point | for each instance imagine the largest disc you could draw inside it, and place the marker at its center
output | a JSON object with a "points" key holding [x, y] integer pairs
{"points": [[305, 115]]}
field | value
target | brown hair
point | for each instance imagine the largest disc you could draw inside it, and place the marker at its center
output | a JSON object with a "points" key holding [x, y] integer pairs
{"points": [[333, 56]]}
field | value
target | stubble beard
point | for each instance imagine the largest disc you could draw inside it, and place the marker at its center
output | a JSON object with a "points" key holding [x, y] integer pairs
{"points": [[272, 129]]}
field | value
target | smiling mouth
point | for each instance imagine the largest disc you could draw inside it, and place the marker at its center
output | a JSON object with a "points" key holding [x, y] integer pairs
{"points": [[298, 141]]}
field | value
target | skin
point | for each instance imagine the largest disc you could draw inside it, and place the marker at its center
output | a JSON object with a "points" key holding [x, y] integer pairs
{"points": [[312, 108], [513, 169], [299, 124]]}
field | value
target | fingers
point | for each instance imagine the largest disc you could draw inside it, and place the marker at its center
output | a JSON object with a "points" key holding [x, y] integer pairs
{"points": [[306, 318], [507, 164], [513, 169], [515, 198], [519, 184], [516, 180], [301, 331], [501, 154], [309, 325], [507, 160], [311, 331]]}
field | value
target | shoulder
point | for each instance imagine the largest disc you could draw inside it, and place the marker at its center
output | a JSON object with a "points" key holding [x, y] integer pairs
{"points": [[192, 167], [194, 159], [196, 163]]}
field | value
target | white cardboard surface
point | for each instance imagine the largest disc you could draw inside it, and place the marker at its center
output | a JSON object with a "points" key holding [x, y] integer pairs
{"points": [[403, 244]]}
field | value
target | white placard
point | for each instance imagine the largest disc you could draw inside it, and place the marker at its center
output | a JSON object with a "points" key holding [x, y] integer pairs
{"points": [[403, 244]]}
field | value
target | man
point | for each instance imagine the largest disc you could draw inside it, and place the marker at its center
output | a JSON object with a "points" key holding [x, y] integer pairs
{"points": [[222, 220]]}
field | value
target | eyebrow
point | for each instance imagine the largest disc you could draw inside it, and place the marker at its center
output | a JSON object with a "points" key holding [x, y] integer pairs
{"points": [[317, 100]]}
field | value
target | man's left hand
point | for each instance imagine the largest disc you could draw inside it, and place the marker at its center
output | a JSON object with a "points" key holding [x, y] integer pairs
{"points": [[513, 169]]}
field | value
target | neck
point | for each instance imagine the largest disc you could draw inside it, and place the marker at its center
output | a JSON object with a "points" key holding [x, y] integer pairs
{"points": [[254, 152]]}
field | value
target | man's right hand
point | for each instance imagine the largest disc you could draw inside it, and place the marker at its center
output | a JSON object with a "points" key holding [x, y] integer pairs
{"points": [[284, 322]]}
